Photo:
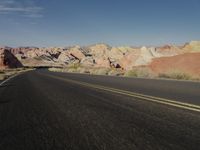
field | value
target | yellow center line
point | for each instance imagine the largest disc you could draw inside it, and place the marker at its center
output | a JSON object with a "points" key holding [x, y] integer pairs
{"points": [[159, 100]]}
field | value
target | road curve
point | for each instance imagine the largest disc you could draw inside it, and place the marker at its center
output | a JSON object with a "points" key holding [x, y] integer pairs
{"points": [[47, 110]]}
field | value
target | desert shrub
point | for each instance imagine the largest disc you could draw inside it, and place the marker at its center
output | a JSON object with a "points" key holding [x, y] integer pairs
{"points": [[2, 76], [131, 73], [82, 70], [115, 72], [176, 74], [56, 69], [139, 72], [100, 71], [74, 66], [72, 70]]}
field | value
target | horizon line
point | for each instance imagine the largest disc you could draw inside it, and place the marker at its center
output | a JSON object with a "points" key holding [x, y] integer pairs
{"points": [[98, 43]]}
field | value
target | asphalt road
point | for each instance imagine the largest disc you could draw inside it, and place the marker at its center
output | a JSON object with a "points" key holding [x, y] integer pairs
{"points": [[41, 110]]}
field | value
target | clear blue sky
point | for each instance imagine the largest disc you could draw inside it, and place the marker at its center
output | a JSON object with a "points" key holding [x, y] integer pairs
{"points": [[83, 22]]}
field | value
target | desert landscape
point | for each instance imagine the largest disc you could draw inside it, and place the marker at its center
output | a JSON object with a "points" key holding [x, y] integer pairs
{"points": [[99, 75], [168, 61]]}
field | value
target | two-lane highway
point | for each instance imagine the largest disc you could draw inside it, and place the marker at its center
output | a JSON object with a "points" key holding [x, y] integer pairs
{"points": [[47, 110]]}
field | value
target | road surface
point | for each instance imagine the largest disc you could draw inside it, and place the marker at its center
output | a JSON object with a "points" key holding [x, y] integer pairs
{"points": [[41, 110]]}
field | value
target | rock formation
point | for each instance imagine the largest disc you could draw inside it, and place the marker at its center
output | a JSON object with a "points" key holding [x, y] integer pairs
{"points": [[8, 60], [193, 46], [103, 56], [185, 63]]}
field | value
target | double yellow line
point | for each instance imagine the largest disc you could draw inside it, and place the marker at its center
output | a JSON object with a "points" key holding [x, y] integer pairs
{"points": [[159, 100]]}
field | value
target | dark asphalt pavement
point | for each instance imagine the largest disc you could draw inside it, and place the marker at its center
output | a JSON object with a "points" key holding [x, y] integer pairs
{"points": [[39, 112]]}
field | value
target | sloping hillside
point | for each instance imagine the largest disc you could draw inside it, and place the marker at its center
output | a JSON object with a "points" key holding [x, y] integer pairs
{"points": [[8, 60], [186, 63]]}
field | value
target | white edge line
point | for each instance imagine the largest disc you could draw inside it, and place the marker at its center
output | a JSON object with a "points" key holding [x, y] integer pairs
{"points": [[12, 76], [8, 79]]}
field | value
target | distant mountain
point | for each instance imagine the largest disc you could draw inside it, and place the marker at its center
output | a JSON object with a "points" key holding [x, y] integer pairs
{"points": [[104, 56]]}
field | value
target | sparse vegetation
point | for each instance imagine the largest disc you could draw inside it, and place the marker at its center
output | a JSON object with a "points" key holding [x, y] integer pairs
{"points": [[116, 72], [74, 66], [176, 74], [4, 74], [139, 72], [79, 69], [100, 71], [135, 72]]}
